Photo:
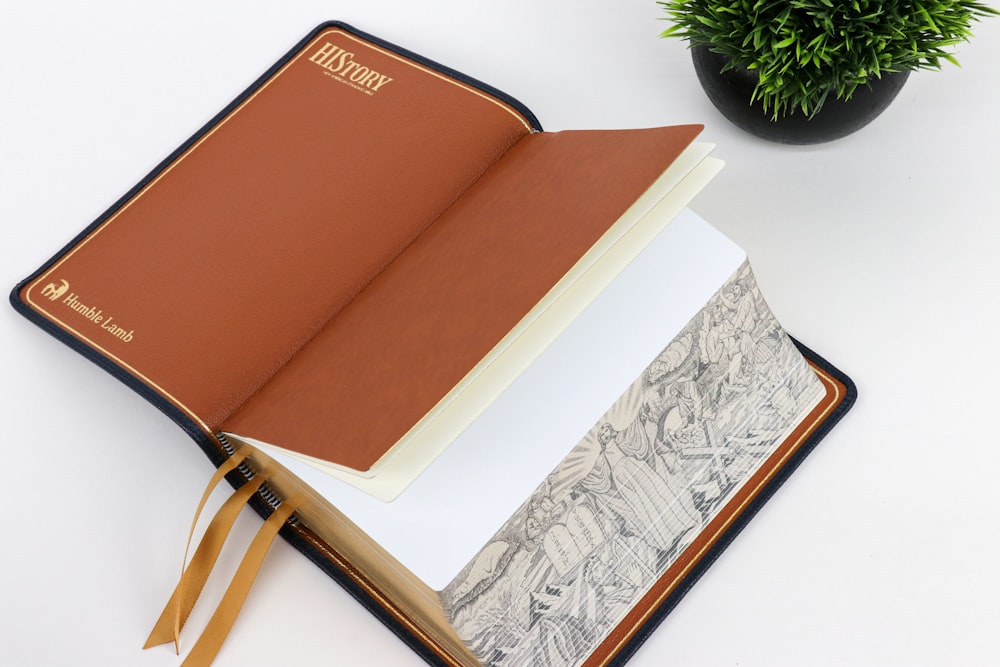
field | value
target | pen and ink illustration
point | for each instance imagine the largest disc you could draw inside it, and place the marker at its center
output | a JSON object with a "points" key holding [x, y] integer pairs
{"points": [[627, 500]]}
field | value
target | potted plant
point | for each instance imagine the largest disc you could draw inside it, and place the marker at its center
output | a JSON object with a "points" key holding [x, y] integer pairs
{"points": [[807, 71]]}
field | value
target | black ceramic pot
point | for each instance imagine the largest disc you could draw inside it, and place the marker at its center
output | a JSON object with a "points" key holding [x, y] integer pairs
{"points": [[730, 92]]}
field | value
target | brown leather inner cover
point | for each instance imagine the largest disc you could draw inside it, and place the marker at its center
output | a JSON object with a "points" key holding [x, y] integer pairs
{"points": [[324, 266], [441, 306]]}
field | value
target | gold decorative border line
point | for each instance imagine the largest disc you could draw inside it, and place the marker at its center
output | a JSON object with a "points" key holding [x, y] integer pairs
{"points": [[377, 596], [129, 367], [434, 73], [833, 399], [736, 513], [180, 158]]}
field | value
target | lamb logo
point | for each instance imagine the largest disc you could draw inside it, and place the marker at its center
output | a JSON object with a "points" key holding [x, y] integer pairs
{"points": [[54, 291]]}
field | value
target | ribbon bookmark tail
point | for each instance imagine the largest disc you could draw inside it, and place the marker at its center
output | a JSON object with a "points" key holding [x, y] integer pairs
{"points": [[222, 620], [194, 576], [159, 635]]}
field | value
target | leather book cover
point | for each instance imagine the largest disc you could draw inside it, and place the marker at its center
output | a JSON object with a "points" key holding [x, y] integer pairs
{"points": [[357, 200], [358, 197]]}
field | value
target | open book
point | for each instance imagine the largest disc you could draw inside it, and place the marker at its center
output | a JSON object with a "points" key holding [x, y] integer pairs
{"points": [[525, 393]]}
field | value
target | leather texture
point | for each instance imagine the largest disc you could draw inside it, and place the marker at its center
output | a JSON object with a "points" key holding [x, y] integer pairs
{"points": [[423, 323], [653, 608], [231, 259], [649, 612], [240, 249], [322, 265]]}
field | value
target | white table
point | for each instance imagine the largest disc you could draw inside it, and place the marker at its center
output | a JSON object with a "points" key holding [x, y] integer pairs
{"points": [[879, 251]]}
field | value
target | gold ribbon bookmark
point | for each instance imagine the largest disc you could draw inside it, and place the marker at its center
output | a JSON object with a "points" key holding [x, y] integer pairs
{"points": [[196, 573], [225, 614]]}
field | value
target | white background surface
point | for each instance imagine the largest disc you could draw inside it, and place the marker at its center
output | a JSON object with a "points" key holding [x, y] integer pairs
{"points": [[879, 251]]}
